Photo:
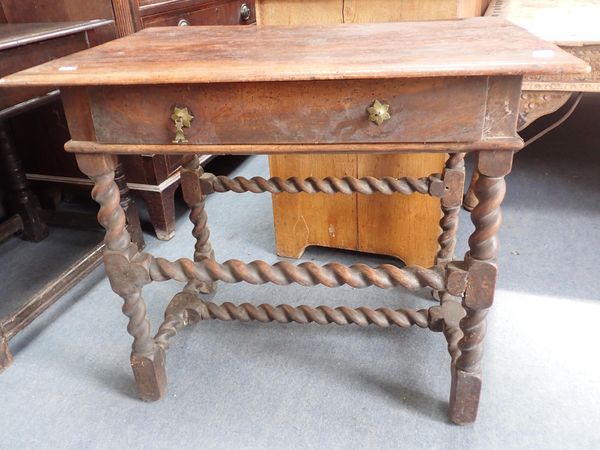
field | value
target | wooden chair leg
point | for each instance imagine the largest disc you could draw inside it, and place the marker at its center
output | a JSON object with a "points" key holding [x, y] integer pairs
{"points": [[22, 200], [454, 179], [454, 176], [195, 199], [134, 226], [128, 271], [489, 189], [161, 208]]}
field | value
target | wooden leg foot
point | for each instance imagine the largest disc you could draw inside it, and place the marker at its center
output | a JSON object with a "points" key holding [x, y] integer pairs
{"points": [[5, 355], [464, 396], [161, 209], [22, 201], [150, 375]]}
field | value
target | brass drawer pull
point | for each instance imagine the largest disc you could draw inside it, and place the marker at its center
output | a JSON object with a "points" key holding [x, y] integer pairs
{"points": [[183, 23], [379, 112], [182, 118], [245, 12]]}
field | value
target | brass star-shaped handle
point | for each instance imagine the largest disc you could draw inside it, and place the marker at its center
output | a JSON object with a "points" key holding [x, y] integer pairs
{"points": [[182, 118], [379, 112]]}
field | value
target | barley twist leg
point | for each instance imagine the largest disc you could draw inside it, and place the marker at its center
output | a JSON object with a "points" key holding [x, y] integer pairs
{"points": [[128, 272], [195, 199], [450, 211], [481, 259], [454, 177]]}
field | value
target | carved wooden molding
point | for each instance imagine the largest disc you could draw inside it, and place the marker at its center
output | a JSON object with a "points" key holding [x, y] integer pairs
{"points": [[535, 104], [589, 82]]}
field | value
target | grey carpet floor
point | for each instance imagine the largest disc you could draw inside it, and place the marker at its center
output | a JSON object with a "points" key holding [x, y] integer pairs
{"points": [[237, 386]]}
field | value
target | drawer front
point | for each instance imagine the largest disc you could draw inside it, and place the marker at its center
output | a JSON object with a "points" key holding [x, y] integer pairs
{"points": [[237, 12], [421, 110]]}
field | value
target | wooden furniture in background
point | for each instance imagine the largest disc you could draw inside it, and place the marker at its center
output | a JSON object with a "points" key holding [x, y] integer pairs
{"points": [[23, 46], [356, 222], [571, 25], [225, 98], [154, 177]]}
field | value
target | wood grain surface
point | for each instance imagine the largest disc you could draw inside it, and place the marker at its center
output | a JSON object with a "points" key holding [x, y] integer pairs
{"points": [[19, 34], [297, 12], [53, 11], [349, 51], [506, 144], [320, 112], [27, 45]]}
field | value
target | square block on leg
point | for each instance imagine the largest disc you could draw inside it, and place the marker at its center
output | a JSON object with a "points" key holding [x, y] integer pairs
{"points": [[150, 375], [464, 396]]}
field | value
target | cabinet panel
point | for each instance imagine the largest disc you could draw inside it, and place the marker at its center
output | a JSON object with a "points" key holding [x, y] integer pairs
{"points": [[214, 13]]}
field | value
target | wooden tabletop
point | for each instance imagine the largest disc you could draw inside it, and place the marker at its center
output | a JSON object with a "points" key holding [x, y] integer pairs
{"points": [[18, 34], [476, 46], [564, 22]]}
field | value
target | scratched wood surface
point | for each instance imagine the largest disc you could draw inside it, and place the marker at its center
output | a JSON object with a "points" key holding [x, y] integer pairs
{"points": [[328, 112], [175, 55]]}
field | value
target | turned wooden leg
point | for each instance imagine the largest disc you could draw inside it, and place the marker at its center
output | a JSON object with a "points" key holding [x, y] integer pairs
{"points": [[161, 208], [128, 271], [454, 181], [22, 201], [470, 200], [195, 199], [481, 262], [134, 226]]}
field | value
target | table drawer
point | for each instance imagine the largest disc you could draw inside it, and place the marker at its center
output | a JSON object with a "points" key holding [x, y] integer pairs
{"points": [[225, 12], [421, 110]]}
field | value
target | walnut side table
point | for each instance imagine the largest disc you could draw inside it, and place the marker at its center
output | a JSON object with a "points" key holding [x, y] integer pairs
{"points": [[450, 87]]}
